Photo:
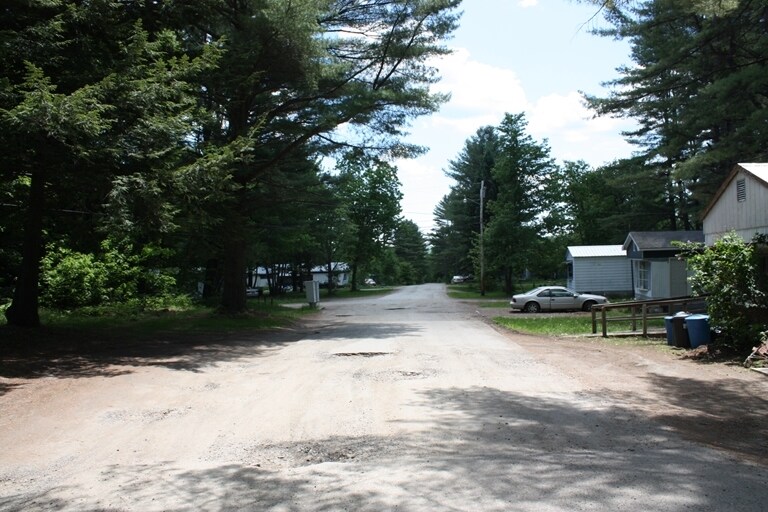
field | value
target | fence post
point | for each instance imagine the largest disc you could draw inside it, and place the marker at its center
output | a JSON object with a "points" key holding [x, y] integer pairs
{"points": [[605, 323], [645, 320], [594, 320]]}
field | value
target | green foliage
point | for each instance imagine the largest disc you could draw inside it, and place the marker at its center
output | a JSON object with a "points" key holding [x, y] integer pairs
{"points": [[697, 91], [71, 279], [729, 273], [117, 275], [520, 173]]}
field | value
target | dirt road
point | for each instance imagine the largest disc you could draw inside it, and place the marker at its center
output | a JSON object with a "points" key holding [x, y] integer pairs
{"points": [[406, 402]]}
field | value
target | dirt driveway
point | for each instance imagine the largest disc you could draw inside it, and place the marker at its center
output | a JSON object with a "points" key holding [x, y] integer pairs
{"points": [[406, 402]]}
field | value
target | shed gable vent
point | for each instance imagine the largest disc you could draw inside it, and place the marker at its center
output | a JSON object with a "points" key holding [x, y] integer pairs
{"points": [[741, 190]]}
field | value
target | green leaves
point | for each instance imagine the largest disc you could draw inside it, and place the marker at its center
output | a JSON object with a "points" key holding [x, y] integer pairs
{"points": [[728, 273], [697, 90]]}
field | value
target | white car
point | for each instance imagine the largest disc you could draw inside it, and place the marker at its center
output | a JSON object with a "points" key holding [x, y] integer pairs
{"points": [[554, 298]]}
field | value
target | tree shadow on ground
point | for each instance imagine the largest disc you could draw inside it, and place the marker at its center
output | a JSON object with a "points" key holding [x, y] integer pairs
{"points": [[363, 330], [476, 449], [113, 356], [191, 352], [726, 413]]}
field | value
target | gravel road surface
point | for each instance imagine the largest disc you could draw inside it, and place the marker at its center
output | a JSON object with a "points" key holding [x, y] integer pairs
{"points": [[407, 402]]}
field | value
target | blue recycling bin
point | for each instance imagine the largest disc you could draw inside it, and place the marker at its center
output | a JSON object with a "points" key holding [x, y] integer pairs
{"points": [[670, 327], [698, 330]]}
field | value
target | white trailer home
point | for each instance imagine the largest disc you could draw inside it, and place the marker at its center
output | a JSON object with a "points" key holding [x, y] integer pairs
{"points": [[601, 269]]}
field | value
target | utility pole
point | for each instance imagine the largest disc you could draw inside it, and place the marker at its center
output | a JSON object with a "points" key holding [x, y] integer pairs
{"points": [[482, 256]]}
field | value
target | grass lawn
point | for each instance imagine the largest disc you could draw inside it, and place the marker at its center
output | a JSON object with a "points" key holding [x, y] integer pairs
{"points": [[472, 291], [120, 323], [125, 322], [565, 324]]}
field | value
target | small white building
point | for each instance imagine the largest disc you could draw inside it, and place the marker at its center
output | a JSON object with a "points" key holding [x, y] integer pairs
{"points": [[739, 205], [602, 269], [657, 273]]}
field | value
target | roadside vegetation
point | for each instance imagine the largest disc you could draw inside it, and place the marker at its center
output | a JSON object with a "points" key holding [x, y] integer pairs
{"points": [[560, 324]]}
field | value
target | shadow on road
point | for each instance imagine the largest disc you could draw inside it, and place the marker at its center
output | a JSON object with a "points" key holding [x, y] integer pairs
{"points": [[364, 330], [727, 413], [480, 449], [92, 358]]}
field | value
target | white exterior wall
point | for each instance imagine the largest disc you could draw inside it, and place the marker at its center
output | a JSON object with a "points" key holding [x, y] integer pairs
{"points": [[668, 279], [745, 218], [608, 274]]}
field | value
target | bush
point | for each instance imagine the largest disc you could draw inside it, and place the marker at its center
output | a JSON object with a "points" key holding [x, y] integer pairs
{"points": [[728, 272], [119, 274], [72, 279]]}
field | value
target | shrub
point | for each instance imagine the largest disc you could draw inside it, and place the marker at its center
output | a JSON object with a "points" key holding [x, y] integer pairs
{"points": [[729, 273], [71, 279], [119, 274]]}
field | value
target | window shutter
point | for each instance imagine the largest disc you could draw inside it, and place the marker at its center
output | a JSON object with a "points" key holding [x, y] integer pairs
{"points": [[741, 190]]}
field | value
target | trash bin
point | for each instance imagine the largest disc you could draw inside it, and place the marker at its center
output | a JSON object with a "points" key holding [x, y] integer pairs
{"points": [[670, 330], [698, 330], [681, 333]]}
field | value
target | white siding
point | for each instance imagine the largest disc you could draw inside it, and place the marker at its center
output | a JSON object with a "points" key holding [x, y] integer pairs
{"points": [[612, 275], [659, 280], [745, 218]]}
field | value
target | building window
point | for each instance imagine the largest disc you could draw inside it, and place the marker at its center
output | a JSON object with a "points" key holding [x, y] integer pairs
{"points": [[741, 190], [644, 275]]}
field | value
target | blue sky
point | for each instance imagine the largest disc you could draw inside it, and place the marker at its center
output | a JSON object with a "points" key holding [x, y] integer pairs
{"points": [[514, 56]]}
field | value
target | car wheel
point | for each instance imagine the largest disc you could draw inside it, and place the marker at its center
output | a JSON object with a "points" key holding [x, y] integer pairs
{"points": [[532, 307], [587, 306]]}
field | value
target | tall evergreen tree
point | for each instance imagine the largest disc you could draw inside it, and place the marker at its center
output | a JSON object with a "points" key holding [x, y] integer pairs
{"points": [[519, 173], [293, 74], [86, 97], [698, 89], [458, 216]]}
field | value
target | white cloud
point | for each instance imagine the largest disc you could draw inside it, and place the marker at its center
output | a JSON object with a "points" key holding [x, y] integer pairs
{"points": [[480, 96], [527, 3], [476, 87], [556, 111], [573, 132]]}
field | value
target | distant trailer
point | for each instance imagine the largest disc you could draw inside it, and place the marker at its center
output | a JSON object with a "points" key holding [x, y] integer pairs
{"points": [[601, 269]]}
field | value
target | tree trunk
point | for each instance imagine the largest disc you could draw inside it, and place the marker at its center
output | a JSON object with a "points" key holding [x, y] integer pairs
{"points": [[212, 279], [508, 287], [23, 311], [233, 298], [330, 278], [353, 285]]}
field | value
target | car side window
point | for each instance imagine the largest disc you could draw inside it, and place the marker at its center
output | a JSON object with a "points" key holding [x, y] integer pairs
{"points": [[561, 293], [545, 293]]}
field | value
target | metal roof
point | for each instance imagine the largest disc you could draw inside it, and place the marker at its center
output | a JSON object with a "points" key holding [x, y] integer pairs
{"points": [[654, 240], [596, 251]]}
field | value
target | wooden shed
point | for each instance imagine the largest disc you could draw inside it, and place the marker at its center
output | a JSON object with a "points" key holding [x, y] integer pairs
{"points": [[602, 269], [657, 273], [739, 205]]}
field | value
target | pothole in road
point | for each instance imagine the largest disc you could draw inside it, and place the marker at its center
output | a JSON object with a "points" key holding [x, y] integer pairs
{"points": [[362, 354]]}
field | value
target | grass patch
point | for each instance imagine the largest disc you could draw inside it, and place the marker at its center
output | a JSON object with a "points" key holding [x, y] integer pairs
{"points": [[565, 325], [472, 291], [126, 323]]}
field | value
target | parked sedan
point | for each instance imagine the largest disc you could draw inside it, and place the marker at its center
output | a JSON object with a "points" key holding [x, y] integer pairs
{"points": [[554, 298]]}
